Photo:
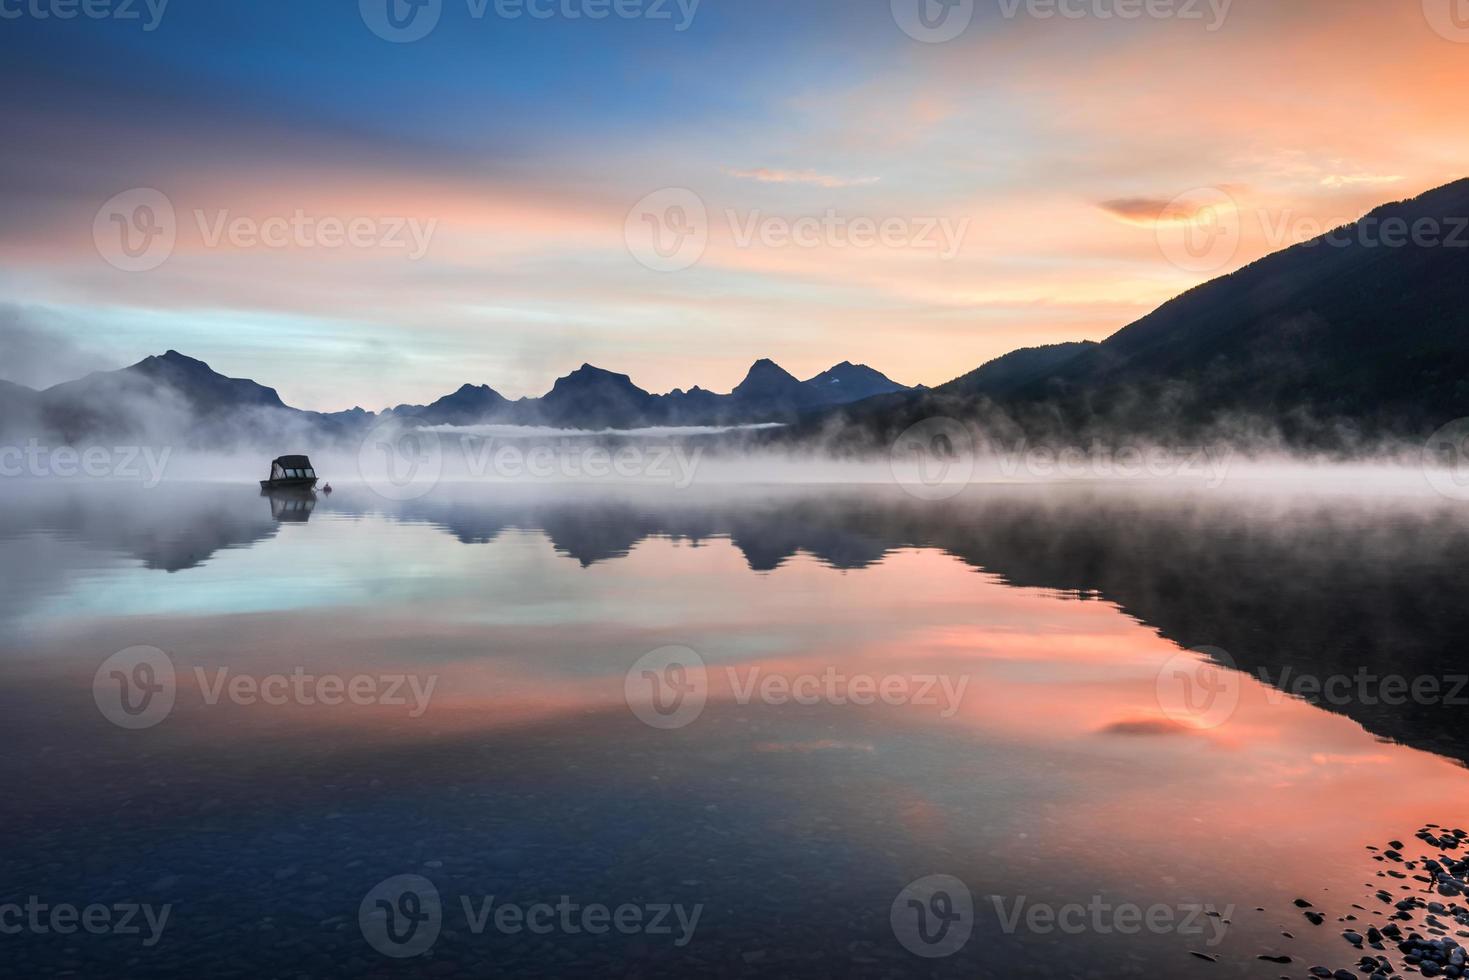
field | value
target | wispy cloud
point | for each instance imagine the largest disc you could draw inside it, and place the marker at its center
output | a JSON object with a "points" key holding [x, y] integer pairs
{"points": [[38, 350], [1139, 210], [768, 176], [1353, 180], [1206, 203]]}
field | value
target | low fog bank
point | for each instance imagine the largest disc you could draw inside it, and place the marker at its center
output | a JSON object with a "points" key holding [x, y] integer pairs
{"points": [[411, 469], [505, 431], [127, 429], [171, 418]]}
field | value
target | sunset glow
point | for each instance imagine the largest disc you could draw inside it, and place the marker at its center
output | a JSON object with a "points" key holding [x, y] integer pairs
{"points": [[1056, 144]]}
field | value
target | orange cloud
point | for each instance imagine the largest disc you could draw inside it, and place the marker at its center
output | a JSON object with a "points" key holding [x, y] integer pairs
{"points": [[1140, 210]]}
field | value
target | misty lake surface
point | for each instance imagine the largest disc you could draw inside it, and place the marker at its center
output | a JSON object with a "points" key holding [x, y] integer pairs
{"points": [[776, 709]]}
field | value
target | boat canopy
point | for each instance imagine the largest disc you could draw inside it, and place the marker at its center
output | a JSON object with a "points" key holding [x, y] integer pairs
{"points": [[291, 468]]}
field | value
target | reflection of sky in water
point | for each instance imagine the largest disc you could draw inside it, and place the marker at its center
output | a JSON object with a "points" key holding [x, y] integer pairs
{"points": [[1055, 775], [331, 564]]}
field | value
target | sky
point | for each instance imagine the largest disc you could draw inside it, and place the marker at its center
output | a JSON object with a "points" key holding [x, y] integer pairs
{"points": [[360, 204]]}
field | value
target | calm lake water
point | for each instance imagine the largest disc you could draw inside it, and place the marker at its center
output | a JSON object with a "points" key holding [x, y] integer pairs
{"points": [[666, 734]]}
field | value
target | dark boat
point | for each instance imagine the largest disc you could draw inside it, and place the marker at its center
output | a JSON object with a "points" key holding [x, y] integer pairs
{"points": [[290, 473]]}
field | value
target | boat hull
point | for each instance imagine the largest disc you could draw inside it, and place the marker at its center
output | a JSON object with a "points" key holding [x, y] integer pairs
{"points": [[294, 483]]}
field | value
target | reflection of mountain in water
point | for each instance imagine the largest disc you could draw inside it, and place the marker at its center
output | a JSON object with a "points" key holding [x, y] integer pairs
{"points": [[1319, 587], [594, 529], [169, 528], [1322, 588]]}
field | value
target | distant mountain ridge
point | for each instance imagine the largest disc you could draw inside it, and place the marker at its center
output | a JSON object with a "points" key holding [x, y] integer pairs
{"points": [[171, 395], [593, 398], [168, 395]]}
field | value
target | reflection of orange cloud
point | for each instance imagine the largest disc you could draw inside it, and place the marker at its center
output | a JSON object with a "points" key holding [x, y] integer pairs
{"points": [[534, 651], [1148, 726]]}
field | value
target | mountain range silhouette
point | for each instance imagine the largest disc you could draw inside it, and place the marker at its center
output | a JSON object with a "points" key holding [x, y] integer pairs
{"points": [[1352, 338]]}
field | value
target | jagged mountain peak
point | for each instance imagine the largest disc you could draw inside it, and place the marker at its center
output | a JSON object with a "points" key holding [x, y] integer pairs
{"points": [[765, 374], [590, 374], [846, 382], [172, 358], [591, 370]]}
